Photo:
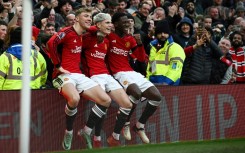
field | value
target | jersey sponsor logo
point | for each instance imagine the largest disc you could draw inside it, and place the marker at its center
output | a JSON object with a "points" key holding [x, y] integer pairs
{"points": [[127, 44], [119, 51], [114, 41], [77, 49], [98, 54], [61, 35]]}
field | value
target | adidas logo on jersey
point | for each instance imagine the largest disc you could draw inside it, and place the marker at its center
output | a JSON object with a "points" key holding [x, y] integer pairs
{"points": [[95, 45], [114, 41], [75, 41]]}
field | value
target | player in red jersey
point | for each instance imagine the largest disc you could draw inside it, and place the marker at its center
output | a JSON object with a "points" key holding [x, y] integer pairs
{"points": [[65, 49], [135, 84], [94, 66]]}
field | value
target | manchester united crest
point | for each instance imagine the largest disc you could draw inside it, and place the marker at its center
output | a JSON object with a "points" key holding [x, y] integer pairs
{"points": [[66, 79], [125, 82], [127, 44]]}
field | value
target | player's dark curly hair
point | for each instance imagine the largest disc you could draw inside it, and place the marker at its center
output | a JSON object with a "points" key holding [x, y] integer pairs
{"points": [[117, 16]]}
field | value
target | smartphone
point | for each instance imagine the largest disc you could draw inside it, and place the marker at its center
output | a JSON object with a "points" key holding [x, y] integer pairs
{"points": [[200, 28]]}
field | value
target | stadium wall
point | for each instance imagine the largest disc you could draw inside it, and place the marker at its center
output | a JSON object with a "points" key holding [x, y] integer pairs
{"points": [[186, 113]]}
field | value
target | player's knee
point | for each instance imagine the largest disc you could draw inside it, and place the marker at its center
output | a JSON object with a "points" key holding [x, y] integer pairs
{"points": [[74, 100], [157, 97], [127, 104], [106, 101], [134, 91]]}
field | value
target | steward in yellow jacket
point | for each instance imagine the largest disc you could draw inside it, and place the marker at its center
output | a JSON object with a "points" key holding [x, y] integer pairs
{"points": [[166, 57], [11, 66]]}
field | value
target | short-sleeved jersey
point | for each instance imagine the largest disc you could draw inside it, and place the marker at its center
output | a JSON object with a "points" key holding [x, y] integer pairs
{"points": [[118, 52], [93, 55], [70, 45]]}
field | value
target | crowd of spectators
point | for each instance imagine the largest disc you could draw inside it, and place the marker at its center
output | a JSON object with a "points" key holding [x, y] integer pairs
{"points": [[211, 33]]}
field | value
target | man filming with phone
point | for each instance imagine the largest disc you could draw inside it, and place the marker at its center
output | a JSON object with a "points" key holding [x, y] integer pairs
{"points": [[200, 52]]}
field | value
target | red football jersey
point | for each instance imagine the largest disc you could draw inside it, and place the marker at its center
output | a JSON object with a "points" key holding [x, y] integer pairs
{"points": [[65, 48], [93, 61], [119, 49]]}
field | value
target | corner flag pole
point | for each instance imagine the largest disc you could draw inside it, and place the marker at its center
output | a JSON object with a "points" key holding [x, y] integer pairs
{"points": [[25, 113]]}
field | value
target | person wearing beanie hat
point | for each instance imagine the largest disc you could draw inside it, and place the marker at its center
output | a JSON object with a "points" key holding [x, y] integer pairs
{"points": [[95, 49], [162, 26], [11, 65], [135, 84], [166, 57]]}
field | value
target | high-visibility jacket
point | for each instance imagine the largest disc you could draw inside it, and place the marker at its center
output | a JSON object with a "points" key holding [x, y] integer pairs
{"points": [[165, 65], [11, 70]]}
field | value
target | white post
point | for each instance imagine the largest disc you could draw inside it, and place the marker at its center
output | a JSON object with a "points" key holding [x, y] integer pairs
{"points": [[25, 115]]}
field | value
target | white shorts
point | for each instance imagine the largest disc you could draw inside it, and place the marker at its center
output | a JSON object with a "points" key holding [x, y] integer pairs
{"points": [[130, 77], [80, 81], [107, 82]]}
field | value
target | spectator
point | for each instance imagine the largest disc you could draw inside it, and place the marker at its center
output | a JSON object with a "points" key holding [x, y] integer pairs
{"points": [[236, 26], [240, 11], [219, 72], [122, 5], [166, 57], [218, 31], [100, 7], [224, 12], [200, 51], [190, 10], [134, 4], [44, 3], [152, 4], [141, 15], [237, 56], [5, 11], [64, 8], [3, 32], [17, 21], [49, 12], [207, 20], [47, 27], [215, 15], [137, 65], [148, 25], [173, 17], [184, 32], [111, 7], [11, 65], [41, 42], [70, 20]]}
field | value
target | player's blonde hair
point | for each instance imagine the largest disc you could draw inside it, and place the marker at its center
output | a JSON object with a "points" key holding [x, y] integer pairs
{"points": [[82, 10]]}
